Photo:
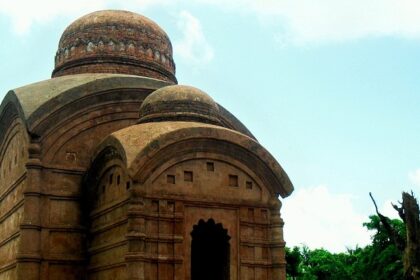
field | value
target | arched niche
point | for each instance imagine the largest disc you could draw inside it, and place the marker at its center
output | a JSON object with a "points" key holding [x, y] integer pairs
{"points": [[210, 251], [106, 191]]}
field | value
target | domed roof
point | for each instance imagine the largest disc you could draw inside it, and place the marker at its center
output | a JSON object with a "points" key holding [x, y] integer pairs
{"points": [[179, 103], [114, 41]]}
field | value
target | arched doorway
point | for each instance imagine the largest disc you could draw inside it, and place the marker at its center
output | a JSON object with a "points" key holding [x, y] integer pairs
{"points": [[210, 251]]}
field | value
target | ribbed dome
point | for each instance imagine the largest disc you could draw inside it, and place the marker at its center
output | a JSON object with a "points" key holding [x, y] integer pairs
{"points": [[115, 41], [179, 103]]}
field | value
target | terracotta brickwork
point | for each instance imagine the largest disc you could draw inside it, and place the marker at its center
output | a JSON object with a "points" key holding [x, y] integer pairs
{"points": [[107, 244], [179, 178], [13, 174], [122, 66], [66, 154], [162, 216], [109, 42], [108, 168]]}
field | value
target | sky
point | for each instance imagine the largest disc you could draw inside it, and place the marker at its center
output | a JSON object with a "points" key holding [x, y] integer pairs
{"points": [[329, 87]]}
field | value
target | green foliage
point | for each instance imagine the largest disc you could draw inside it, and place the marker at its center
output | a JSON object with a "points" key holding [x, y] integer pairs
{"points": [[381, 238], [380, 260], [293, 259], [321, 264]]}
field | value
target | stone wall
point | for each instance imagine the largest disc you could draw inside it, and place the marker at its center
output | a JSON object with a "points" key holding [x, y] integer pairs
{"points": [[65, 151], [146, 231], [13, 157], [107, 244]]}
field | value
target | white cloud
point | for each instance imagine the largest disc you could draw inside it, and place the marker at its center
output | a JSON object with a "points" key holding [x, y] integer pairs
{"points": [[297, 21], [25, 13], [415, 177], [320, 21], [318, 218], [193, 46]]}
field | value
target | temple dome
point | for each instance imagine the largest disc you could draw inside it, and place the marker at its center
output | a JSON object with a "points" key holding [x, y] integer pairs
{"points": [[179, 103], [114, 41]]}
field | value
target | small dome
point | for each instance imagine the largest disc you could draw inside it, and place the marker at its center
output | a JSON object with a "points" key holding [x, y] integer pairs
{"points": [[113, 41], [179, 103]]}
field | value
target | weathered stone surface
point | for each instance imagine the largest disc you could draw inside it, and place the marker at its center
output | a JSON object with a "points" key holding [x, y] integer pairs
{"points": [[60, 91], [91, 189], [138, 144], [179, 103], [115, 42]]}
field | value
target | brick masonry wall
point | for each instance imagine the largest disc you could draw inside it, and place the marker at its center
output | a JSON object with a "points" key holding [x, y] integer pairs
{"points": [[13, 157]]}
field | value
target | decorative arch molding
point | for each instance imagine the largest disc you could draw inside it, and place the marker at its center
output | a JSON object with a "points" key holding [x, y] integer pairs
{"points": [[105, 200], [13, 154], [71, 112], [109, 157], [204, 156], [39, 104], [148, 146], [226, 182], [10, 110], [14, 141], [58, 93], [275, 182], [15, 127], [45, 107], [104, 118]]}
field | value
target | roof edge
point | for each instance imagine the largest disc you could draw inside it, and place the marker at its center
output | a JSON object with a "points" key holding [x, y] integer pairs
{"points": [[144, 142]]}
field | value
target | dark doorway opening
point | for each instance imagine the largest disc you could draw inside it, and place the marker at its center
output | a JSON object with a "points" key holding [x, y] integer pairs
{"points": [[210, 251]]}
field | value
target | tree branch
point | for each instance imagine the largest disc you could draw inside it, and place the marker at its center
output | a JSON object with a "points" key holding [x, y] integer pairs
{"points": [[394, 236], [374, 203], [400, 211]]}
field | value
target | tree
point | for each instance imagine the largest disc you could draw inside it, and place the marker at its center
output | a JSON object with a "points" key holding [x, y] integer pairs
{"points": [[410, 214], [323, 265], [381, 259], [409, 244], [392, 255], [293, 259]]}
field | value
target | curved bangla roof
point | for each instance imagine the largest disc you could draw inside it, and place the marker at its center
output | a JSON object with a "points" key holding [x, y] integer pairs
{"points": [[35, 100], [111, 50], [140, 144], [38, 100]]}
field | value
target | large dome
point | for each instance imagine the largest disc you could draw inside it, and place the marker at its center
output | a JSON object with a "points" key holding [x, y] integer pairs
{"points": [[113, 41], [179, 103]]}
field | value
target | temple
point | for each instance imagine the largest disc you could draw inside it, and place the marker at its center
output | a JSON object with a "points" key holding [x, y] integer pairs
{"points": [[111, 170]]}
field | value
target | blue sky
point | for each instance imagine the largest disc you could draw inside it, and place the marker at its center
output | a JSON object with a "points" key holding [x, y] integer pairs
{"points": [[330, 89]]}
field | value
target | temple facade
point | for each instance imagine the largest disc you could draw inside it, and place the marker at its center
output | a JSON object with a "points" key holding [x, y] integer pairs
{"points": [[111, 170]]}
